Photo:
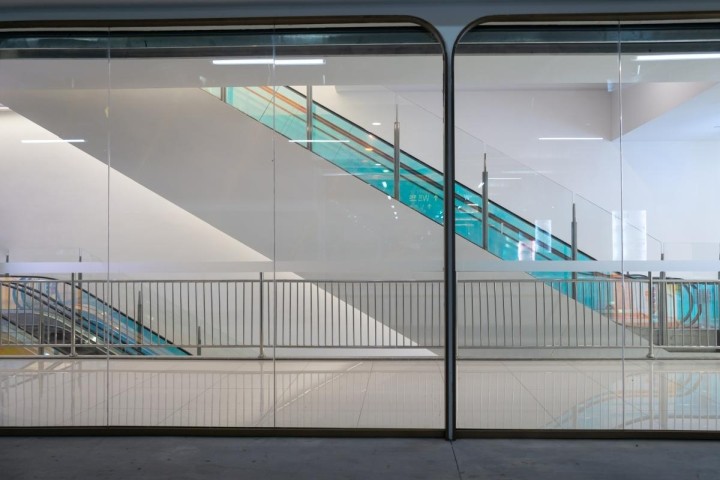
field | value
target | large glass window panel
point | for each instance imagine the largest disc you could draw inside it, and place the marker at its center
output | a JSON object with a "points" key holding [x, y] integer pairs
{"points": [[54, 130], [540, 332], [358, 196], [245, 224]]}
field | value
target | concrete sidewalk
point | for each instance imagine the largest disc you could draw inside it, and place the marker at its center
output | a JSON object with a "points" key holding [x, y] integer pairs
{"points": [[341, 458]]}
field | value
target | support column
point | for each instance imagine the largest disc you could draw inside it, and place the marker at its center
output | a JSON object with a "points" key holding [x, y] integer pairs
{"points": [[449, 247]]}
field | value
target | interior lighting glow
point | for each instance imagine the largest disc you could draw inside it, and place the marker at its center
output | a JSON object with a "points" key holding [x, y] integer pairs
{"points": [[505, 178], [678, 56], [377, 124], [243, 61], [301, 61], [56, 140], [3, 108], [569, 138]]}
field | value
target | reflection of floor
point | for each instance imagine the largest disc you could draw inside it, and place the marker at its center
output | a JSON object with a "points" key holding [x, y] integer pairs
{"points": [[658, 394]]}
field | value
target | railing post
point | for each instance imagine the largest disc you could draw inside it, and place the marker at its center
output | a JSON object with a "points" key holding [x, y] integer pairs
{"points": [[485, 205], [139, 316], [223, 94], [7, 260], [396, 156], [73, 353], [262, 315], [199, 341], [574, 245], [651, 353], [662, 307], [309, 117]]}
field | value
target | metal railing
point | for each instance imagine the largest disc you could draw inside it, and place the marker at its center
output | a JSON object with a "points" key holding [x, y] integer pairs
{"points": [[194, 317]]}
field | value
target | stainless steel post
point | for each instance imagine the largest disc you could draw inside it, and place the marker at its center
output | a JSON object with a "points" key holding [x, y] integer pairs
{"points": [[574, 245], [223, 94], [199, 341], [662, 307], [396, 156], [73, 353], [485, 205], [309, 117], [262, 315], [651, 340], [139, 317]]}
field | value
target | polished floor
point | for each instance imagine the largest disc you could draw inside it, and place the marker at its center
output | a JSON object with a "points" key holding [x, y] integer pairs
{"points": [[349, 394]]}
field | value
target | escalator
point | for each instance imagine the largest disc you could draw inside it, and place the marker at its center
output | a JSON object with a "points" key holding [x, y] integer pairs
{"points": [[53, 315], [371, 159]]}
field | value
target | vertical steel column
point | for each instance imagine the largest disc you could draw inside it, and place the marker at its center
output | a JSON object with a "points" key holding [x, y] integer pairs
{"points": [[7, 260], [396, 156], [309, 117], [223, 94], [262, 314], [651, 340], [449, 247], [485, 205], [574, 245]]}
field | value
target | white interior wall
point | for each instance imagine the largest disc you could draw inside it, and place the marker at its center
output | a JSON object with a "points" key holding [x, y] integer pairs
{"points": [[54, 207]]}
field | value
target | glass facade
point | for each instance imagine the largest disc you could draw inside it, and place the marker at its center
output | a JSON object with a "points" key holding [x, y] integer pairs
{"points": [[561, 128], [243, 227]]}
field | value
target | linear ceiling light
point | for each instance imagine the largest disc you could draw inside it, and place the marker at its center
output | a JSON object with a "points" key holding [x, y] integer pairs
{"points": [[243, 61], [678, 56], [56, 140], [269, 61], [569, 138], [300, 61]]}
